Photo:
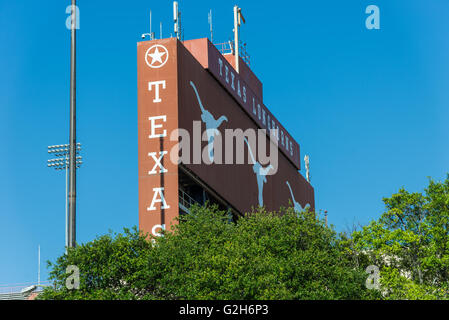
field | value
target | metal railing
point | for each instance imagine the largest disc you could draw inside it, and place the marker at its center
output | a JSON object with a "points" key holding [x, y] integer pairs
{"points": [[244, 54], [225, 47], [15, 291], [185, 201], [18, 287], [228, 48]]}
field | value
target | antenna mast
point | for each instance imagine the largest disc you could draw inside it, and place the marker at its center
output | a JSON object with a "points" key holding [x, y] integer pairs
{"points": [[307, 163], [211, 27], [151, 32], [325, 217], [39, 265], [238, 17], [177, 20]]}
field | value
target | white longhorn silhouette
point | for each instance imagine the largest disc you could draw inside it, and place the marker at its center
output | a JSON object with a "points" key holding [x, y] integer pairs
{"points": [[296, 205], [260, 172], [211, 124]]}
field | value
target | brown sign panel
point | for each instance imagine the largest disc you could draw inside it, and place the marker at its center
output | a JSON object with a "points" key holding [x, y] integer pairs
{"points": [[157, 86]]}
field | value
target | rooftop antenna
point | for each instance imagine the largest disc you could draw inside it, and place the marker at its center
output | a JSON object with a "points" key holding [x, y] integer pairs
{"points": [[176, 20], [306, 161], [211, 27], [238, 18], [39, 265], [151, 34]]}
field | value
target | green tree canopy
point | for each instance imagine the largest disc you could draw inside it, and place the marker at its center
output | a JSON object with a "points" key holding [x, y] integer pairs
{"points": [[410, 243], [262, 256]]}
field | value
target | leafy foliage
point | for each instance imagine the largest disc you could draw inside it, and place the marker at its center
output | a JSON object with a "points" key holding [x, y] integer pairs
{"points": [[111, 267], [410, 243], [262, 256]]}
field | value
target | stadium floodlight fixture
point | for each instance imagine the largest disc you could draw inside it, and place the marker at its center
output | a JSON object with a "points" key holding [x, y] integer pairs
{"points": [[63, 163], [62, 149]]}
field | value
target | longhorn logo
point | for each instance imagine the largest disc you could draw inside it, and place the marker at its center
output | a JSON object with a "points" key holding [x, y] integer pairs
{"points": [[211, 123], [298, 208], [260, 172]]}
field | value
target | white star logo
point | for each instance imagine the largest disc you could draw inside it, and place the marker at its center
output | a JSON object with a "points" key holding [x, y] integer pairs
{"points": [[158, 54]]}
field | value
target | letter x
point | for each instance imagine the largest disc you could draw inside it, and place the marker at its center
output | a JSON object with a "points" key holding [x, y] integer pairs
{"points": [[158, 162]]}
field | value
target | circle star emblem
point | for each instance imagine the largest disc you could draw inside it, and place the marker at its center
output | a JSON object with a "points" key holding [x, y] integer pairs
{"points": [[156, 56]]}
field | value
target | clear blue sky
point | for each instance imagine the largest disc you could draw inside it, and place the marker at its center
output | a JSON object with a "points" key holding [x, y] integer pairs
{"points": [[370, 107]]}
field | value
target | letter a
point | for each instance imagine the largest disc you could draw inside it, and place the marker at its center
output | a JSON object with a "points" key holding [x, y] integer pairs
{"points": [[373, 21], [72, 281], [155, 199]]}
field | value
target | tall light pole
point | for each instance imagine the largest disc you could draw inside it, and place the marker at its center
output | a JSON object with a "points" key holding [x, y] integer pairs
{"points": [[62, 163], [72, 135]]}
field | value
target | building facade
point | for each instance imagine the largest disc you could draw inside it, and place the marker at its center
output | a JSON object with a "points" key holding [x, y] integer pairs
{"points": [[204, 134]]}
